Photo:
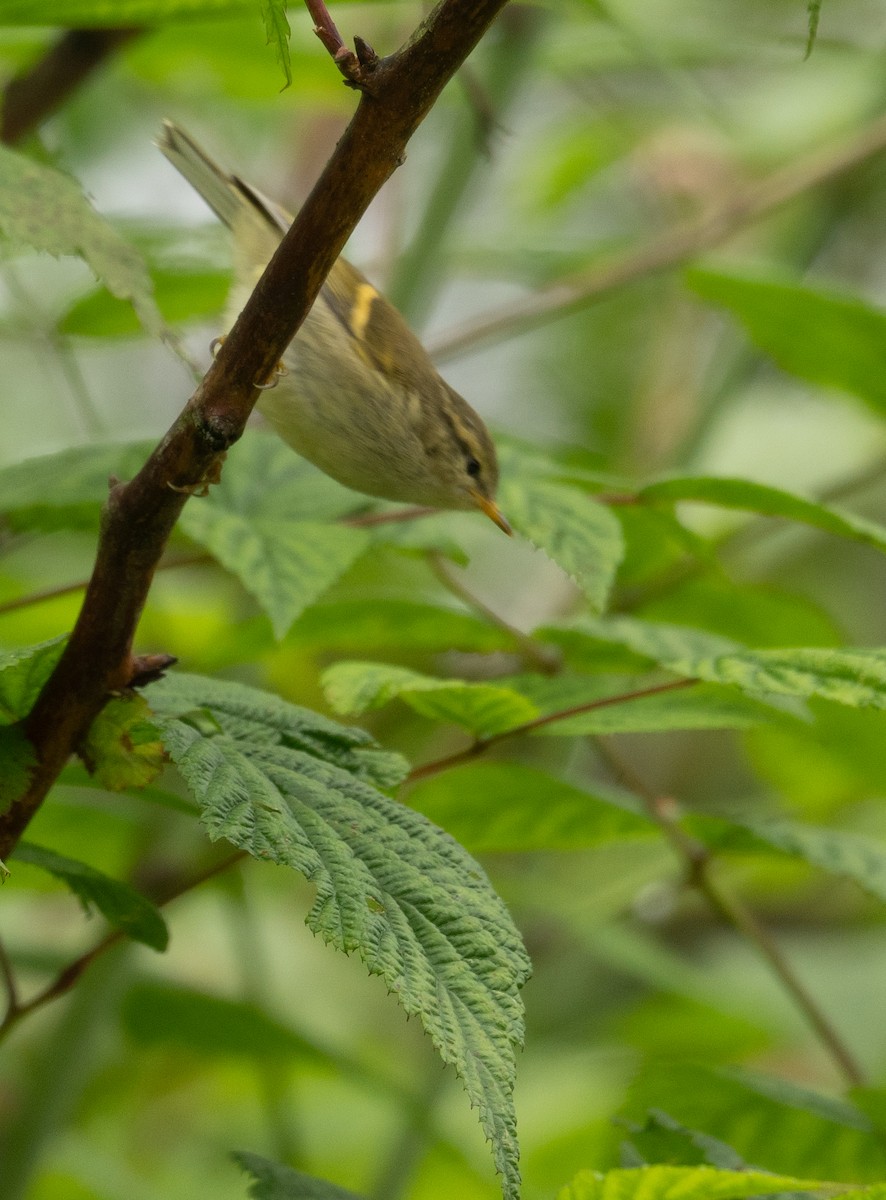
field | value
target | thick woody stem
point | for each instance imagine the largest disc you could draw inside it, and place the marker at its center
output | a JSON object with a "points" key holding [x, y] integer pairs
{"points": [[140, 515]]}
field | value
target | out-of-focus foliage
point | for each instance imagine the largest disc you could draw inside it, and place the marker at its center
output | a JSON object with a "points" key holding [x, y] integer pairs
{"points": [[647, 242]]}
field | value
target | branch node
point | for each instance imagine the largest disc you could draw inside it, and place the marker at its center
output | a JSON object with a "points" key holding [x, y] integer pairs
{"points": [[148, 668]]}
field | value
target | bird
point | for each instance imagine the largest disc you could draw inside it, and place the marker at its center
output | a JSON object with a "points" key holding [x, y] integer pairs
{"points": [[356, 393]]}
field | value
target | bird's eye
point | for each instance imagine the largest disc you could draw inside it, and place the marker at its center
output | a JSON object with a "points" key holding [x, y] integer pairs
{"points": [[472, 467]]}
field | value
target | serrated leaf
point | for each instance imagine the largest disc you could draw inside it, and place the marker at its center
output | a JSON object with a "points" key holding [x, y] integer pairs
{"points": [[158, 1014], [23, 673], [495, 807], [483, 708], [679, 1183], [580, 535], [42, 208], [121, 905], [284, 565], [414, 905], [278, 31], [856, 678], [848, 855], [677, 647], [261, 523], [824, 337], [273, 1181], [66, 489], [768, 501], [122, 747]]}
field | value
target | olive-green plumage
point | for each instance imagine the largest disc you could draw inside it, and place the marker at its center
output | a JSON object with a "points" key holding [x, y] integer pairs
{"points": [[360, 397]]}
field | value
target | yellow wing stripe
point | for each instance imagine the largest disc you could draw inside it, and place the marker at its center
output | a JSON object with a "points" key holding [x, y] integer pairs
{"points": [[361, 309]]}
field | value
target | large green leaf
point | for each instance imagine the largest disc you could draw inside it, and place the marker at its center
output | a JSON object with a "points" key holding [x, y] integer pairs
{"points": [[849, 855], [822, 336], [121, 905], [349, 626], [292, 787], [181, 296], [483, 708], [512, 807], [42, 208], [23, 673], [856, 678], [156, 1014], [67, 489], [581, 535], [769, 501], [769, 1122], [679, 1183], [677, 647], [273, 1181], [258, 523]]}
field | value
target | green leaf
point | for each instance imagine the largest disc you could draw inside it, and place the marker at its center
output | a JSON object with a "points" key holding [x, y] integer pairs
{"points": [[349, 626], [512, 807], [769, 1122], [42, 208], [849, 855], [67, 489], [180, 295], [826, 338], [23, 673], [114, 13], [17, 761], [625, 709], [259, 522], [581, 536], [856, 678], [813, 9], [120, 905], [677, 647], [274, 780], [157, 1014], [122, 747], [483, 708], [277, 28], [679, 1183], [770, 502], [272, 1181]]}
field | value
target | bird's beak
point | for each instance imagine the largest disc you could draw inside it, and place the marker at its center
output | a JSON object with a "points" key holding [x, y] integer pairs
{"points": [[492, 511]]}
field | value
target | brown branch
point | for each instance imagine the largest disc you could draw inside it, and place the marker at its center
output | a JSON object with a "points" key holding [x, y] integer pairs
{"points": [[358, 68], [35, 94], [481, 745], [698, 861], [140, 515]]}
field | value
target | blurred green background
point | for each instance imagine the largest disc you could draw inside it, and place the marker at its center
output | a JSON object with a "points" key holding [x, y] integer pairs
{"points": [[581, 134]]}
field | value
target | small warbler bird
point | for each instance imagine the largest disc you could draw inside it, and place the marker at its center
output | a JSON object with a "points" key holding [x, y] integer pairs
{"points": [[359, 397]]}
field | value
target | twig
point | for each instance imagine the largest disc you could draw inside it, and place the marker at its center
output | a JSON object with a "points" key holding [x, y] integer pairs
{"points": [[69, 975], [358, 67], [36, 93], [669, 249], [542, 657], [481, 745], [140, 515], [698, 860], [8, 976]]}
